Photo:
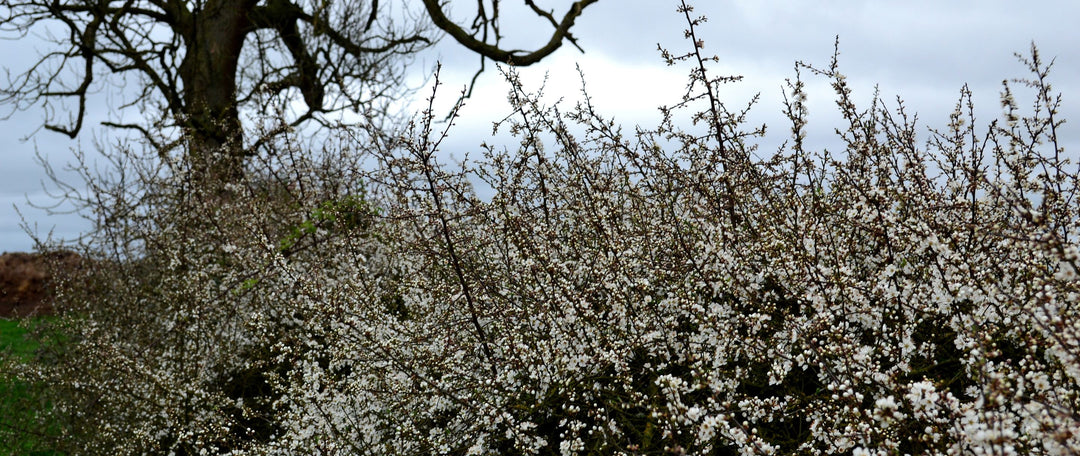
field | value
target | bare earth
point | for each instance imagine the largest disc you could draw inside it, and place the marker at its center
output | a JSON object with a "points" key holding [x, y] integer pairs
{"points": [[26, 279]]}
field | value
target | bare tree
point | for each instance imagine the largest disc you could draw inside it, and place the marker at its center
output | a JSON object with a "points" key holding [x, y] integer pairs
{"points": [[199, 63]]}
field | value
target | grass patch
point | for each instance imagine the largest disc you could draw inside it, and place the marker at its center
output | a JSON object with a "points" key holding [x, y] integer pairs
{"points": [[13, 339], [20, 403]]}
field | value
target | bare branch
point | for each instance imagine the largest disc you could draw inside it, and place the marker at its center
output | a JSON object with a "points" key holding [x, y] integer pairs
{"points": [[493, 52]]}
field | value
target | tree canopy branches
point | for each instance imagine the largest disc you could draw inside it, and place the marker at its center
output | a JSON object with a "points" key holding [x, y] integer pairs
{"points": [[199, 63]]}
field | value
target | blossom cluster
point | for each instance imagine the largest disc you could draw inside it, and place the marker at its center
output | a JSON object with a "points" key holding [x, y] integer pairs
{"points": [[670, 290]]}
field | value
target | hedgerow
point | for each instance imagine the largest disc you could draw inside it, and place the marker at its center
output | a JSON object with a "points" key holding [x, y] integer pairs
{"points": [[665, 290]]}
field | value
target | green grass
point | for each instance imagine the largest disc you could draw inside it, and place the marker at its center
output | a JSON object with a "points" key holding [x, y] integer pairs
{"points": [[19, 408], [13, 340]]}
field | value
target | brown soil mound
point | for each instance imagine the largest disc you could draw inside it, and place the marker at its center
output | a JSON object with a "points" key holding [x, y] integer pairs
{"points": [[26, 281]]}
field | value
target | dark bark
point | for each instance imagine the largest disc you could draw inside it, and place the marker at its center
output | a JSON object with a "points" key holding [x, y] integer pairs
{"points": [[214, 37]]}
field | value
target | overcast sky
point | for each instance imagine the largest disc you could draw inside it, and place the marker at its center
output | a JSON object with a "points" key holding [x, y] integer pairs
{"points": [[921, 50]]}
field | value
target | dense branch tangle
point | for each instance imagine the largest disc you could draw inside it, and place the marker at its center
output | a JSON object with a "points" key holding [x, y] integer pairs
{"points": [[199, 63]]}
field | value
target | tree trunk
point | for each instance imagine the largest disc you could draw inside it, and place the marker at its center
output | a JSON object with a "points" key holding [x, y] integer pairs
{"points": [[214, 38]]}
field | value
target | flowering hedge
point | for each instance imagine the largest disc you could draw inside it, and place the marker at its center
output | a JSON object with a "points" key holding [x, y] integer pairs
{"points": [[670, 290]]}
